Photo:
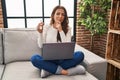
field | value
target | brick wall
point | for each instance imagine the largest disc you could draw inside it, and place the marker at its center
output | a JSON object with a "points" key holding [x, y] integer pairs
{"points": [[83, 38], [1, 16]]}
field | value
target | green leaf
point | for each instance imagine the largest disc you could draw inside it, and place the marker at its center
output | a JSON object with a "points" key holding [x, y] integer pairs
{"points": [[94, 19]]}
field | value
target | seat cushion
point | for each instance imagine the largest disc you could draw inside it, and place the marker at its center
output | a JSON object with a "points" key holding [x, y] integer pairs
{"points": [[94, 64], [26, 71], [1, 70]]}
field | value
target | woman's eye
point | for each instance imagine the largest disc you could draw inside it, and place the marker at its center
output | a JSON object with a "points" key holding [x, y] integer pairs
{"points": [[63, 14], [58, 13]]}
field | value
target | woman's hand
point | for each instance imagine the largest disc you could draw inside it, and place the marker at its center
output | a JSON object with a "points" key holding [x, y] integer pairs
{"points": [[40, 27], [59, 26]]}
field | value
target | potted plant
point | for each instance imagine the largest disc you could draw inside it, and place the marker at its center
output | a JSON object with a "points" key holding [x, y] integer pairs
{"points": [[93, 15]]}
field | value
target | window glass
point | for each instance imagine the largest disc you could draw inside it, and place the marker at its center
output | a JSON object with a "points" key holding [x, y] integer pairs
{"points": [[71, 25], [34, 7], [14, 9], [47, 20], [49, 5], [16, 23], [69, 5], [32, 23]]}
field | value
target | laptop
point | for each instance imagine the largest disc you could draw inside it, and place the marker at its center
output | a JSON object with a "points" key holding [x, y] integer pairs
{"points": [[57, 51]]}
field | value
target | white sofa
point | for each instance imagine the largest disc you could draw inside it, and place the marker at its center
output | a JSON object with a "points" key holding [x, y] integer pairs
{"points": [[18, 45]]}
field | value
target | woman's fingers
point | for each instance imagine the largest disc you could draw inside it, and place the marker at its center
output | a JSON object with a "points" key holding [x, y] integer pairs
{"points": [[40, 27]]}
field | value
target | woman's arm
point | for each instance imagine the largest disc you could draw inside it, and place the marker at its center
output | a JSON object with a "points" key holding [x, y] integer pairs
{"points": [[40, 40], [42, 36]]}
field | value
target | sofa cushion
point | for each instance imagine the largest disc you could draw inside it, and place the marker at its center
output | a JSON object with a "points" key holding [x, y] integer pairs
{"points": [[1, 70], [93, 63], [20, 44], [26, 71], [1, 50]]}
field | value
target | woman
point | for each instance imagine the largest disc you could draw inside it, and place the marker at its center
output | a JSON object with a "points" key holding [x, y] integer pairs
{"points": [[57, 31]]}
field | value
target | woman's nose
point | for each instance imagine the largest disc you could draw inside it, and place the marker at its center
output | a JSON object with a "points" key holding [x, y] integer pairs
{"points": [[59, 16]]}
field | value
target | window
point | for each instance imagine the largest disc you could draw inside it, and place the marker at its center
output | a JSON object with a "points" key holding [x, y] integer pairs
{"points": [[28, 13]]}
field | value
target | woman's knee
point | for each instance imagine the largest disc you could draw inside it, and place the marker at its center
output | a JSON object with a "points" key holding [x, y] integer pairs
{"points": [[35, 58], [79, 55]]}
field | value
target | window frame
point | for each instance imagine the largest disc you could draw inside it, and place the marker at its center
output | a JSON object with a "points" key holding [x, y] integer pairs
{"points": [[5, 18]]}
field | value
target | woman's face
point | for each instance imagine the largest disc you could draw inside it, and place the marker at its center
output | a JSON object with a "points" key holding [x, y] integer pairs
{"points": [[59, 16]]}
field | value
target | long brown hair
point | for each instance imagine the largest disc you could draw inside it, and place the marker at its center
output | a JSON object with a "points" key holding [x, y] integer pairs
{"points": [[64, 23]]}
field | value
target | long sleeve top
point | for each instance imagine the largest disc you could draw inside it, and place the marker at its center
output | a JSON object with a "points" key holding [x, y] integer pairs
{"points": [[49, 35]]}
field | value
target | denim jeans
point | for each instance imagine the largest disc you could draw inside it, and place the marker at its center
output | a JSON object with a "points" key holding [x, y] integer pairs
{"points": [[52, 65]]}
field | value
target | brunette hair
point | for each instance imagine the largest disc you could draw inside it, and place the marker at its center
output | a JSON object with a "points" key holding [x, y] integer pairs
{"points": [[64, 23]]}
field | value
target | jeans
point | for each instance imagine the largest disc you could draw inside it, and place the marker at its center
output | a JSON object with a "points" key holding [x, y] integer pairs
{"points": [[52, 65]]}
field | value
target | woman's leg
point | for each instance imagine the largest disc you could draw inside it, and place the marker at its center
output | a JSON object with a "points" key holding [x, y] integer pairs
{"points": [[38, 62], [77, 59], [68, 65]]}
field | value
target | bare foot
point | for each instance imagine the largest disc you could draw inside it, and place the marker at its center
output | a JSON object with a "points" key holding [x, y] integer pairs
{"points": [[64, 72]]}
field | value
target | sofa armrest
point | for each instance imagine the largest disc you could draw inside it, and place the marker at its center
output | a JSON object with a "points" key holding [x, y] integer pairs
{"points": [[93, 63]]}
